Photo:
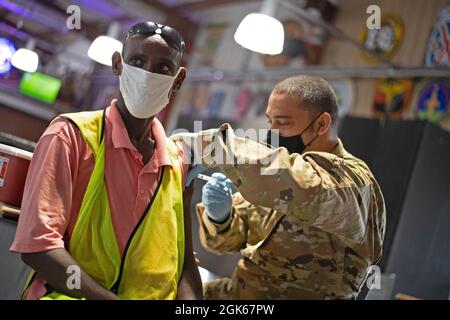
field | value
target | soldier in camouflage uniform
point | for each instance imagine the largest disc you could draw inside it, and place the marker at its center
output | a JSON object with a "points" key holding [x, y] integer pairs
{"points": [[308, 225]]}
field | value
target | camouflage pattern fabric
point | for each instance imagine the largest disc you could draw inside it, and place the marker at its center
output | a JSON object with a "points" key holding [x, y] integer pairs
{"points": [[308, 226]]}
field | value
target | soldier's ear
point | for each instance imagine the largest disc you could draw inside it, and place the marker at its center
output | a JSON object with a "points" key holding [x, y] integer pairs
{"points": [[324, 123]]}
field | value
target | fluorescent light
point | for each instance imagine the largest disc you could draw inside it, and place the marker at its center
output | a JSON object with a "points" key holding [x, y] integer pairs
{"points": [[7, 50], [26, 60], [260, 33], [102, 49]]}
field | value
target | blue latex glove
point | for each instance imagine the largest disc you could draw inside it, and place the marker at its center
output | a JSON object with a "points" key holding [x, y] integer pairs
{"points": [[216, 197], [193, 172]]}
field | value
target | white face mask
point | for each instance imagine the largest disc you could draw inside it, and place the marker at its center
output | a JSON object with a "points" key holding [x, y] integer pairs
{"points": [[145, 93]]}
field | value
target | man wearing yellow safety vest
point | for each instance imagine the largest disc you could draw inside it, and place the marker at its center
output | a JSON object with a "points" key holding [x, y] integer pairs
{"points": [[102, 215]]}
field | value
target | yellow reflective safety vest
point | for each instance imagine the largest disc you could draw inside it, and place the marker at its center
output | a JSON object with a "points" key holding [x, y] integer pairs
{"points": [[152, 262]]}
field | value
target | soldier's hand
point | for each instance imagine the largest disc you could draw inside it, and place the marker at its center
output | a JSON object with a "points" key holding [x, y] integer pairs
{"points": [[217, 197], [188, 141]]}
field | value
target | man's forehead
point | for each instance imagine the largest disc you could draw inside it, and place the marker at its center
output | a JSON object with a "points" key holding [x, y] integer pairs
{"points": [[283, 105]]}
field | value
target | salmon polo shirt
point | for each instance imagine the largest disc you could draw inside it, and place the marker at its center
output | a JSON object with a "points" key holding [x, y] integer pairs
{"points": [[59, 174]]}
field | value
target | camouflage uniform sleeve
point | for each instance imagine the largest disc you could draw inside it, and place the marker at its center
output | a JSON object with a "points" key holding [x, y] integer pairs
{"points": [[242, 227], [313, 189]]}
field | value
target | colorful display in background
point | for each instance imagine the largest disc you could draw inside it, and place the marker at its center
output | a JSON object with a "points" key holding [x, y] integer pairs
{"points": [[40, 86], [392, 97], [213, 37], [391, 100], [384, 41], [215, 103], [434, 101], [7, 50], [242, 102], [438, 50]]}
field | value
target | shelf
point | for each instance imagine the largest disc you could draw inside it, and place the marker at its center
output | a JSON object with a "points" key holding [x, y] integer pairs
{"points": [[215, 75]]}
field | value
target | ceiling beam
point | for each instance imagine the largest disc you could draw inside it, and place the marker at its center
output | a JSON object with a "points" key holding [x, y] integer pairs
{"points": [[329, 72], [37, 12], [173, 12], [208, 4]]}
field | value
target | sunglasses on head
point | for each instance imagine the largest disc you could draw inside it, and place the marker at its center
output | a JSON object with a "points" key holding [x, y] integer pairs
{"points": [[172, 36]]}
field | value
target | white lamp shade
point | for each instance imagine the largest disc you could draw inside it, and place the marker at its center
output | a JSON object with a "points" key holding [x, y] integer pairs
{"points": [[260, 33], [102, 49], [26, 60]]}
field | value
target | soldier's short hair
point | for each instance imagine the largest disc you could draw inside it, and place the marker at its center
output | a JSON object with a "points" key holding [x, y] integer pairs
{"points": [[314, 93]]}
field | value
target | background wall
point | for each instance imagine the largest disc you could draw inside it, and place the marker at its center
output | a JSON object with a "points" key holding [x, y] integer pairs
{"points": [[194, 100], [419, 18], [21, 124]]}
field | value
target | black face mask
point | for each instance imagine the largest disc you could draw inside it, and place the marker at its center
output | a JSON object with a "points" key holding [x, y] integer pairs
{"points": [[293, 144]]}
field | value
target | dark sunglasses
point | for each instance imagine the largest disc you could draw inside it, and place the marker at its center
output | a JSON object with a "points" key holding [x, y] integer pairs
{"points": [[172, 36]]}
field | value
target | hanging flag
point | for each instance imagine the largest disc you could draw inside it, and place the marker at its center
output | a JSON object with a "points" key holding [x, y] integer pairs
{"points": [[434, 101], [438, 50], [384, 41], [392, 97]]}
